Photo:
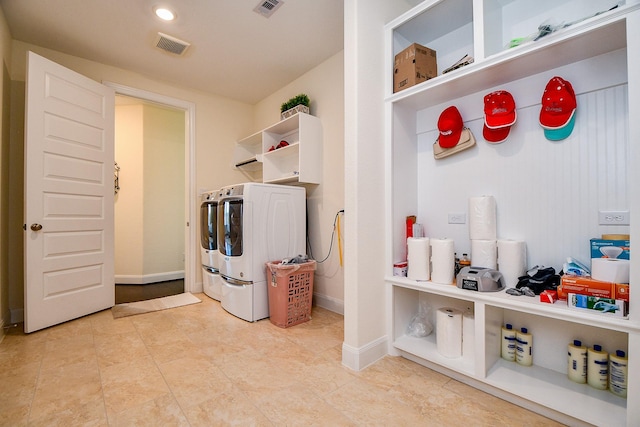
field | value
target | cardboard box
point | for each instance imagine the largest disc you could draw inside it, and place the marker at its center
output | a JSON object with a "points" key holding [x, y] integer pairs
{"points": [[414, 65], [622, 291], [597, 245], [585, 286], [606, 306]]}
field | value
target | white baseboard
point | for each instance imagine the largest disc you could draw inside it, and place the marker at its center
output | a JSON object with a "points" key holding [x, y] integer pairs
{"points": [[123, 279], [331, 304], [359, 358]]}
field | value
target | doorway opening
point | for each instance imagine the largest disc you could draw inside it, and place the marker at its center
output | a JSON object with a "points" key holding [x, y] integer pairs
{"points": [[154, 204]]}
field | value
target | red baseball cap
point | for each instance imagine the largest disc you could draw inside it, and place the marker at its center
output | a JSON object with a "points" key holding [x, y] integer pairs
{"points": [[558, 104], [499, 115], [496, 135], [450, 126]]}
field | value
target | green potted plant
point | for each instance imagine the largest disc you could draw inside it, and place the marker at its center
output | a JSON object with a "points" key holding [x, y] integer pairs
{"points": [[299, 103]]}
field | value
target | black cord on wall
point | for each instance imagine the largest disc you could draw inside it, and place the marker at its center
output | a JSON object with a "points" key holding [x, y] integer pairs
{"points": [[333, 232]]}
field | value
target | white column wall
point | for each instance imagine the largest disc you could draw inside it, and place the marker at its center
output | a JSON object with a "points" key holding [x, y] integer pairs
{"points": [[364, 329]]}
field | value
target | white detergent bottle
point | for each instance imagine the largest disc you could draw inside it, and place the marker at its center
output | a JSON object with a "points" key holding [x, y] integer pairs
{"points": [[598, 367], [524, 347], [577, 362], [618, 373], [508, 350]]}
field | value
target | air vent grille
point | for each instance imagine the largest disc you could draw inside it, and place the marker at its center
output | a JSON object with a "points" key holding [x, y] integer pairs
{"points": [[267, 8], [171, 44]]}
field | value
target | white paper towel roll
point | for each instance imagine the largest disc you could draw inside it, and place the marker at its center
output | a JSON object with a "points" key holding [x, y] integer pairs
{"points": [[449, 332], [443, 260], [484, 254], [468, 334], [482, 218], [512, 260], [418, 254], [610, 269]]}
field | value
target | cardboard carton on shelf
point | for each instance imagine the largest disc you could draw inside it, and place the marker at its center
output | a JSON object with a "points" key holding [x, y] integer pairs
{"points": [[585, 286], [622, 291], [606, 306], [414, 65], [610, 248]]}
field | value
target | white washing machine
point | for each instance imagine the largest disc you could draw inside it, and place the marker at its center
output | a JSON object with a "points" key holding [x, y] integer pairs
{"points": [[257, 223], [209, 254]]}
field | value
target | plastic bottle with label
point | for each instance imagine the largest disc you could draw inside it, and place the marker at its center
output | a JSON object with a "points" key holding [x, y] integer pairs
{"points": [[508, 350], [524, 347], [577, 362], [618, 373], [598, 367]]}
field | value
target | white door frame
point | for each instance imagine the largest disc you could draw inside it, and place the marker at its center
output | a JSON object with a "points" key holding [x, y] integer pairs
{"points": [[190, 181]]}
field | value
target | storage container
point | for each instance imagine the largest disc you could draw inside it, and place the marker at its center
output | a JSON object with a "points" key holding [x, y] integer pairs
{"points": [[290, 292]]}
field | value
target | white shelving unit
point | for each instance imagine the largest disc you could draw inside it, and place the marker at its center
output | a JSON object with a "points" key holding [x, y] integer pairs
{"points": [[599, 53], [298, 162]]}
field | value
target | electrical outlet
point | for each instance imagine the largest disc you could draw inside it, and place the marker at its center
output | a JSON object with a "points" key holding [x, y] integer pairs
{"points": [[457, 218], [613, 217]]}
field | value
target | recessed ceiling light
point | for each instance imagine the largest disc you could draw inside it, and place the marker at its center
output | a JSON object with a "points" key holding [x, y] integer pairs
{"points": [[165, 14]]}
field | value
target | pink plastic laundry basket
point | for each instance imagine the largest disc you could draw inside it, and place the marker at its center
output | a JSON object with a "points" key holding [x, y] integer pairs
{"points": [[290, 292]]}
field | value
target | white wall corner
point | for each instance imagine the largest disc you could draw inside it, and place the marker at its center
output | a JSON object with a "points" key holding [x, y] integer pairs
{"points": [[329, 303], [359, 358], [198, 288]]}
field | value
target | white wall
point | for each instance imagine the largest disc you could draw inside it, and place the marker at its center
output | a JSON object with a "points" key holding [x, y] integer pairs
{"points": [[164, 195], [149, 208], [128, 230], [364, 329], [325, 88], [5, 160]]}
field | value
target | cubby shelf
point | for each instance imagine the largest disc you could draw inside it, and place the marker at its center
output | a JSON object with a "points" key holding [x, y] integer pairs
{"points": [[482, 28], [298, 162]]}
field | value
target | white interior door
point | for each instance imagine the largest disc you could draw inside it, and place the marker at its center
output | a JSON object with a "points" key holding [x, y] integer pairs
{"points": [[69, 167]]}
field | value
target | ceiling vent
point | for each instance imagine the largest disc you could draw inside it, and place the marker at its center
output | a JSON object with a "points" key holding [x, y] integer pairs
{"points": [[266, 8], [171, 44]]}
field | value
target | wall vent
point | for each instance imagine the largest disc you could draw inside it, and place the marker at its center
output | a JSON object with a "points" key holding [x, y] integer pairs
{"points": [[171, 44], [267, 8]]}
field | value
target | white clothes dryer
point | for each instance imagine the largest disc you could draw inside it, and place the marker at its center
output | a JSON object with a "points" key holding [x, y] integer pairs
{"points": [[257, 223]]}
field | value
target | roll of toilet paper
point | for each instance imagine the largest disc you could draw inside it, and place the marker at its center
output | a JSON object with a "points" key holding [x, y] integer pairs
{"points": [[610, 269], [418, 254], [468, 334], [449, 332], [482, 218], [512, 260], [484, 254], [443, 260]]}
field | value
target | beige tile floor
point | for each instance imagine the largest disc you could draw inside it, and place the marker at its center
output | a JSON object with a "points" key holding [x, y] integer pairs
{"points": [[199, 366]]}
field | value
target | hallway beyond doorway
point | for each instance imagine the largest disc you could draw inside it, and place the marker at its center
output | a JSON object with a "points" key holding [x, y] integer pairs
{"points": [[133, 293]]}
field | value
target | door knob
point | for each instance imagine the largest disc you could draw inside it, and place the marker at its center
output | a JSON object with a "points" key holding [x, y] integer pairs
{"points": [[36, 227]]}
